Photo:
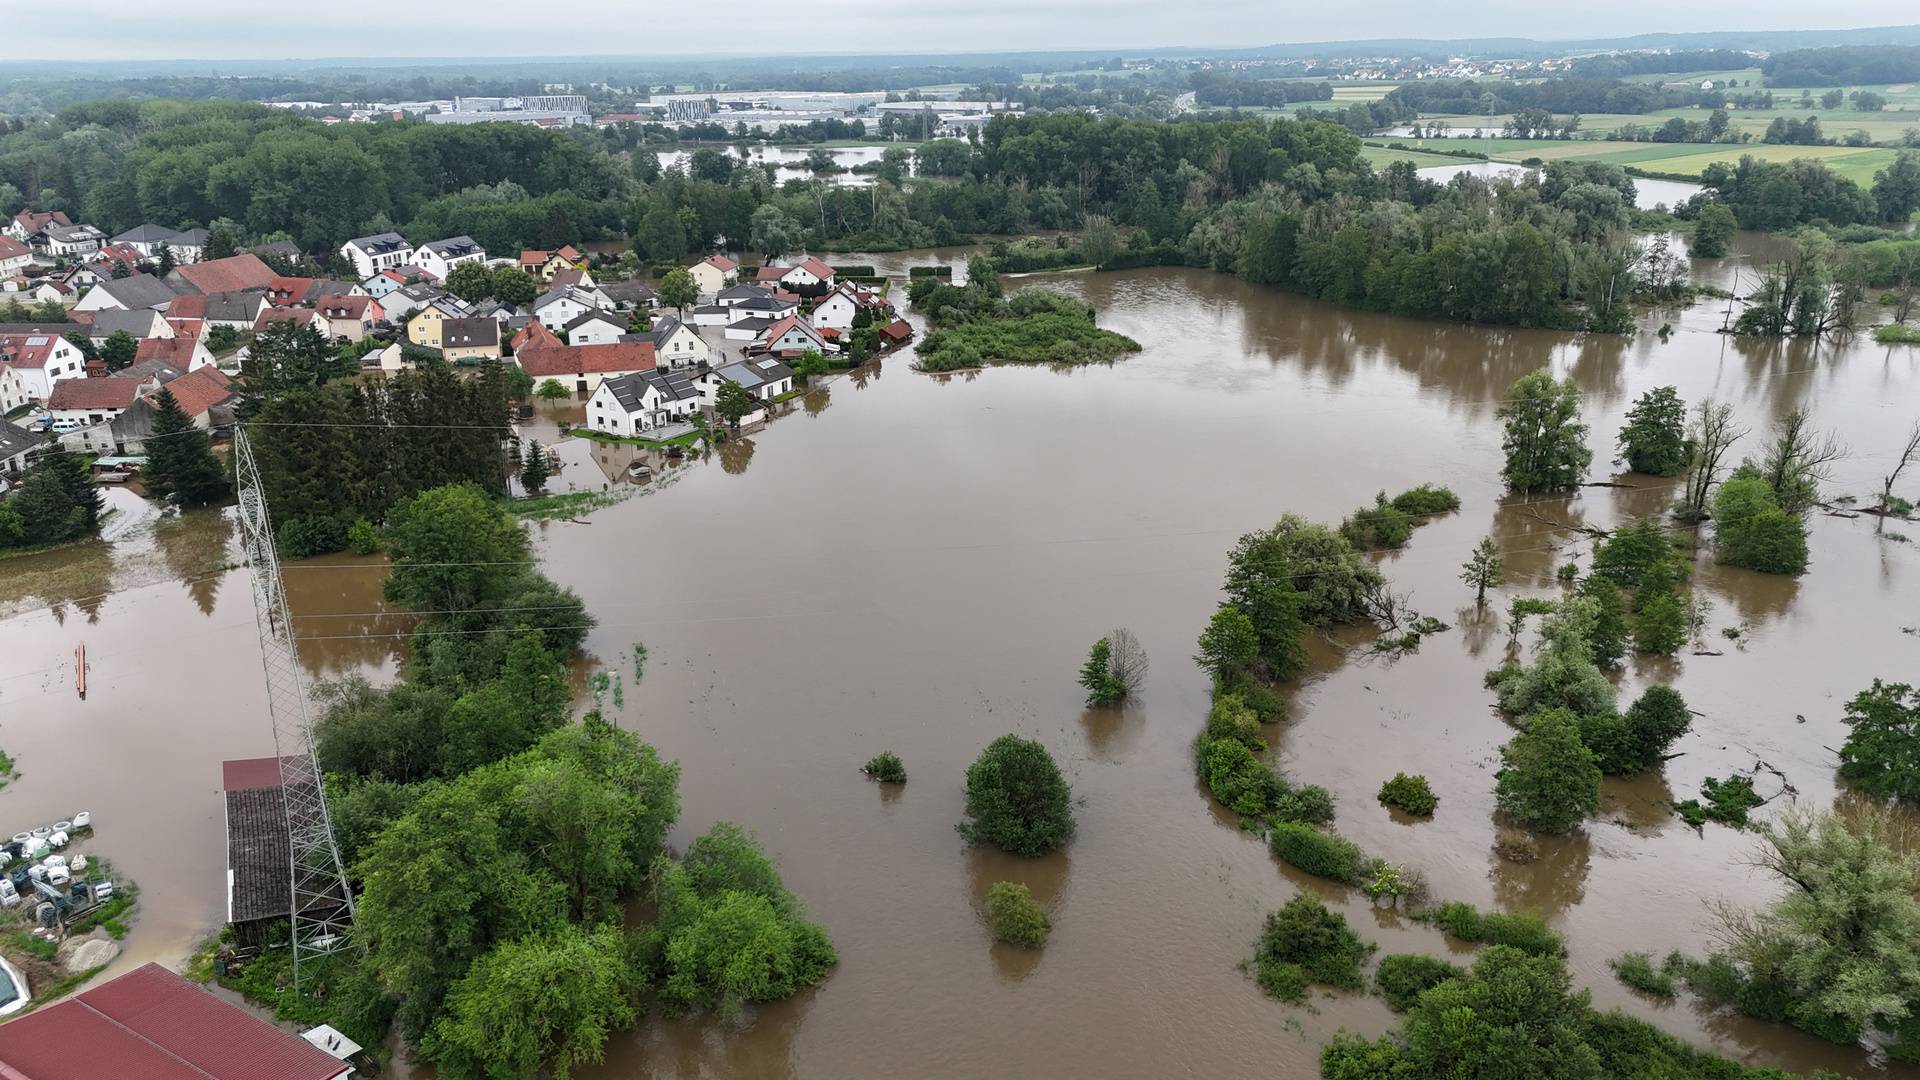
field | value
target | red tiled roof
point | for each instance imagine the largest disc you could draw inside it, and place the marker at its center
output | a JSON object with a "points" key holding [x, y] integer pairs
{"points": [[33, 222], [535, 335], [282, 291], [232, 274], [155, 1025], [186, 328], [198, 391], [343, 307], [298, 316], [93, 393], [177, 351], [187, 307], [248, 774], [815, 267], [13, 249], [771, 273], [570, 253], [547, 360], [898, 330], [721, 263], [533, 258], [22, 354]]}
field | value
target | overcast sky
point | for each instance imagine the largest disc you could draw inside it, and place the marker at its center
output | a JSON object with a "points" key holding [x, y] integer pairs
{"points": [[192, 29]]}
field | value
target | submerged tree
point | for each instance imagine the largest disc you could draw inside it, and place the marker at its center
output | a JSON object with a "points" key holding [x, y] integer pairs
{"points": [[1544, 441], [1711, 436], [1483, 569], [1654, 438], [1882, 752], [1016, 798], [1796, 462], [1548, 780]]}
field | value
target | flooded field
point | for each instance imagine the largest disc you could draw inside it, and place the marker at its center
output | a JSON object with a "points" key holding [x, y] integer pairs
{"points": [[918, 564], [791, 161]]}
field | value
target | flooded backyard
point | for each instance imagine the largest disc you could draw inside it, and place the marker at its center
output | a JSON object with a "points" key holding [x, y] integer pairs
{"points": [[918, 564]]}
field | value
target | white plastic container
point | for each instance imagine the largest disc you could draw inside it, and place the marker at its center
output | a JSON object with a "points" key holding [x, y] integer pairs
{"points": [[37, 872], [54, 860], [9, 896], [34, 849], [103, 892], [83, 820], [78, 865], [58, 875], [58, 840]]}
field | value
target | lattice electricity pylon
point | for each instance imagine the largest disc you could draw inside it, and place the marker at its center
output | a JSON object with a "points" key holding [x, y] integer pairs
{"points": [[322, 902]]}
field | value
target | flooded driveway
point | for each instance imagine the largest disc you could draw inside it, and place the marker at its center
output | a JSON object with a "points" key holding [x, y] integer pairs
{"points": [[918, 564]]}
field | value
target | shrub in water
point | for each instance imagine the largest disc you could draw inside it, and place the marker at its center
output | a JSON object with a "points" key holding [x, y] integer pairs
{"points": [[1017, 799], [1425, 500], [1016, 916], [1403, 977], [1409, 793], [1310, 804], [886, 767], [1636, 970], [1316, 942], [1321, 854], [1522, 930]]}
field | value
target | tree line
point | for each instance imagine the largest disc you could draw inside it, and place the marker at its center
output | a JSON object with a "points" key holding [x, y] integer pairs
{"points": [[1844, 65]]}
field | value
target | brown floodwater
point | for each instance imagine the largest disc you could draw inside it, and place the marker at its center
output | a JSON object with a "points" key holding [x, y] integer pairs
{"points": [[915, 563]]}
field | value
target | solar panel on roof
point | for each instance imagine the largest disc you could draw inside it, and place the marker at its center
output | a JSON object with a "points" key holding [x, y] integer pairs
{"points": [[37, 340]]}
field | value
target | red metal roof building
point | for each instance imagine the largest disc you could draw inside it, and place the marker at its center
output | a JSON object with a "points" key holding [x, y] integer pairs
{"points": [[151, 1024], [232, 274]]}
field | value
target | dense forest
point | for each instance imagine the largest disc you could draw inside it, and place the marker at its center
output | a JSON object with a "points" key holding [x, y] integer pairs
{"points": [[1622, 65], [1850, 65], [1229, 91]]}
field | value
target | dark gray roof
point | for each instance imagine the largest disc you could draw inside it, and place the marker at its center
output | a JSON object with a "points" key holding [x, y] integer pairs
{"points": [[712, 309], [468, 333], [559, 292], [190, 238], [764, 303], [234, 306], [628, 292], [257, 854], [594, 315], [380, 243], [138, 322], [742, 292], [663, 328], [628, 390], [286, 249], [14, 439], [139, 290], [453, 247], [146, 234], [752, 374], [758, 324]]}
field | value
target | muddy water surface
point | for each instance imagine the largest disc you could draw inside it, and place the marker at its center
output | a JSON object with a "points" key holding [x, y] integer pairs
{"points": [[919, 563]]}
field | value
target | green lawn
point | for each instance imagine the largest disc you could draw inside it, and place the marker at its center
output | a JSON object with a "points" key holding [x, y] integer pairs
{"points": [[1855, 163]]}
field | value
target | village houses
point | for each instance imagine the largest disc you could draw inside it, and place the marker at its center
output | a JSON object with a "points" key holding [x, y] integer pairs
{"points": [[469, 339], [371, 254], [713, 273], [440, 257], [594, 327], [643, 401], [677, 345], [580, 368], [34, 361], [424, 323]]}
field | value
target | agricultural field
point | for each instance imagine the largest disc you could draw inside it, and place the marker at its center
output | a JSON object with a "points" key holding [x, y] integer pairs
{"points": [[1855, 163], [1381, 156]]}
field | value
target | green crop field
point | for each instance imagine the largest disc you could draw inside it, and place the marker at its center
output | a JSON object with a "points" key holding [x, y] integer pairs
{"points": [[1382, 156], [1854, 163]]}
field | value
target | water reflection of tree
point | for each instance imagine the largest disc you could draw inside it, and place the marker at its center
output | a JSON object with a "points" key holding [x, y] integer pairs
{"points": [[1111, 731], [1554, 882], [193, 544], [1754, 597], [1479, 626], [816, 400], [1533, 543], [735, 455], [1644, 802], [757, 1042]]}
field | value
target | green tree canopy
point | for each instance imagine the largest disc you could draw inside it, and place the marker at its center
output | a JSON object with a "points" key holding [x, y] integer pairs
{"points": [[1017, 799], [1548, 779], [1545, 441]]}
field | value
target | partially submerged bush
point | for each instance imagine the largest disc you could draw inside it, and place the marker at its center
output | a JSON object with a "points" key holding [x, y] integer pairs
{"points": [[1636, 970], [1522, 930], [1321, 854], [1378, 526], [1016, 916], [1427, 499], [1516, 847], [886, 767], [1409, 793], [1403, 977], [1017, 799], [1304, 942], [1727, 802]]}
